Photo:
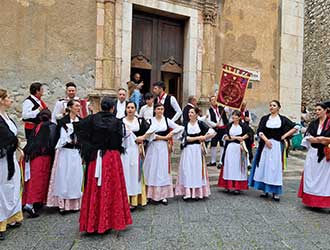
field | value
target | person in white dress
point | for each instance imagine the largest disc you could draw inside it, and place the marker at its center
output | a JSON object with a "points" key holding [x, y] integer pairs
{"points": [[157, 164], [233, 175], [147, 110], [192, 180], [65, 189], [10, 174], [267, 168], [315, 186], [132, 158]]}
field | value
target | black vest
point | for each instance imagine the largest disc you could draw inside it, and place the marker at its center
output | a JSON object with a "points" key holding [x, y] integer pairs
{"points": [[35, 107], [221, 112], [169, 111]]}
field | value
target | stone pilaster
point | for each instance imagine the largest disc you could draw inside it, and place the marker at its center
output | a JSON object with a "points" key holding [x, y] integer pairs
{"points": [[105, 52], [208, 65]]}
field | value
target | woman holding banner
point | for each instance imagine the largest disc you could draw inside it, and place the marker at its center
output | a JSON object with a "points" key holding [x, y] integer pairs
{"points": [[269, 162]]}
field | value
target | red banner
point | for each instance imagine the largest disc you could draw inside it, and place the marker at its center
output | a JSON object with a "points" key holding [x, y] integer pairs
{"points": [[232, 86]]}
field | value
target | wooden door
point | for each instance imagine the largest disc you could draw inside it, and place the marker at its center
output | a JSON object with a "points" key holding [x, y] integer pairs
{"points": [[157, 45]]}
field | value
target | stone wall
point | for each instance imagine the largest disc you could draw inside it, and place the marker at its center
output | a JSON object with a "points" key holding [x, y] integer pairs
{"points": [[51, 41], [248, 37], [316, 73]]}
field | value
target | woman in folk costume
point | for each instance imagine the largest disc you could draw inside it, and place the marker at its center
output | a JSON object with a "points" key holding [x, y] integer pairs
{"points": [[233, 176], [132, 158], [67, 173], [267, 168], [39, 154], [315, 186], [10, 174], [104, 203], [157, 168], [192, 180]]}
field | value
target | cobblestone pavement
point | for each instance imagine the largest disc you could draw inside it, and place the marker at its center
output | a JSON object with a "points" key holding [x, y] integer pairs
{"points": [[224, 221]]}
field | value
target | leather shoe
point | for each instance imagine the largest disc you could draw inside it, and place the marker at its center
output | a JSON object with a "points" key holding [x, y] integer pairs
{"points": [[31, 212], [211, 164], [2, 236]]}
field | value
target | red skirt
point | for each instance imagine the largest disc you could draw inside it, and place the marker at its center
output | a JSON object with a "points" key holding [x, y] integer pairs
{"points": [[230, 184], [36, 189], [105, 207], [311, 200]]}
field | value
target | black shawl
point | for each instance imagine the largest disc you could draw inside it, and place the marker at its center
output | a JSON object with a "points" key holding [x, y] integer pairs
{"points": [[8, 146], [272, 133], [246, 130], [312, 130]]}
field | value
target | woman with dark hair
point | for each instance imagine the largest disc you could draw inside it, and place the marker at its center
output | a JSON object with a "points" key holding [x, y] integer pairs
{"points": [[157, 165], [10, 174], [192, 180], [104, 203], [65, 189], [39, 154], [133, 156], [233, 175], [273, 131], [315, 186]]}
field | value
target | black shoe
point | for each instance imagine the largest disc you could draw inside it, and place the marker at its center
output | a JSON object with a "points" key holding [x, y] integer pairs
{"points": [[31, 212], [276, 198], [17, 224], [186, 198], [264, 195], [37, 206], [219, 166], [211, 164], [164, 202], [2, 236], [237, 192], [132, 208]]}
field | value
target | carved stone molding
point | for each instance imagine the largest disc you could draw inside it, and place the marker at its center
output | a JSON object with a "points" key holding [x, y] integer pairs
{"points": [[171, 65], [210, 13], [140, 61]]}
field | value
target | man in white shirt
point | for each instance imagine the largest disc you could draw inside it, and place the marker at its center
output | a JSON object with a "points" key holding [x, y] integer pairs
{"points": [[217, 118], [171, 106], [32, 106], [192, 103], [147, 111], [120, 105], [60, 106]]}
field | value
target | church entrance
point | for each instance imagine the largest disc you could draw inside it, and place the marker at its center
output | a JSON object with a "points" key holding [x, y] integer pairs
{"points": [[157, 51]]}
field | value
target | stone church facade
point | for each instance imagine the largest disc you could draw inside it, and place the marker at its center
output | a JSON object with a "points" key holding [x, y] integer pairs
{"points": [[100, 43]]}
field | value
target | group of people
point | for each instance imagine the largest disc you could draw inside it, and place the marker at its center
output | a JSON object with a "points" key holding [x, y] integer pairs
{"points": [[109, 163]]}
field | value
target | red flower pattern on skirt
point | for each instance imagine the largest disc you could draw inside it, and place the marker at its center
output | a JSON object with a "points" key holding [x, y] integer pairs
{"points": [[105, 207]]}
